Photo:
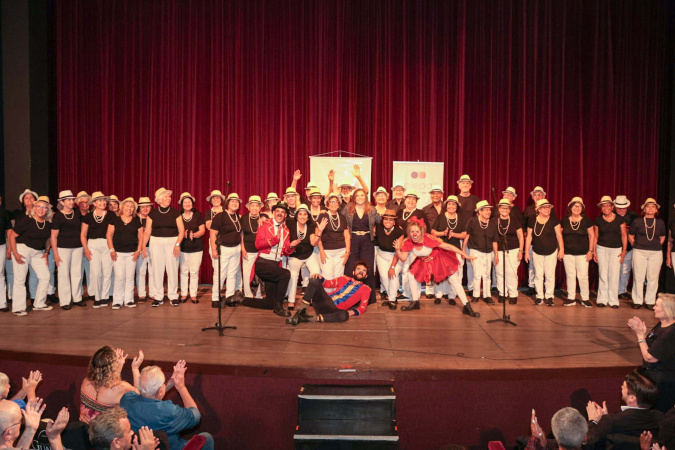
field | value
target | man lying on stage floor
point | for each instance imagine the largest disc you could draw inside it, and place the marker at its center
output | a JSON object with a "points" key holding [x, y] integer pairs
{"points": [[345, 297]]}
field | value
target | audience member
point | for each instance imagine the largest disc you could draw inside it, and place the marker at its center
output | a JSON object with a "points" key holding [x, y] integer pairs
{"points": [[27, 391], [11, 421], [569, 429], [111, 430]]}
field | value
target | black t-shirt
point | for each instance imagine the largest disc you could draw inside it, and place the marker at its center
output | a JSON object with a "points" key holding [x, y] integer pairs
{"points": [[315, 217], [575, 237], [403, 217], [250, 228], [305, 249], [508, 228], [480, 238], [530, 214], [210, 215], [228, 227], [5, 224], [125, 237], [31, 234], [69, 227], [661, 342], [544, 241], [656, 229], [629, 217], [143, 221], [396, 205], [386, 241], [609, 233], [97, 230], [164, 223], [197, 244], [442, 223], [431, 213], [333, 237], [468, 209]]}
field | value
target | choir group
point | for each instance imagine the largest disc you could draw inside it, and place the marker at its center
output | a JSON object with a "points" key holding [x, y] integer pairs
{"points": [[115, 244]]}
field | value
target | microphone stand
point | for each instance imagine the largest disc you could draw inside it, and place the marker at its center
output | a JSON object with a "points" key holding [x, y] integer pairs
{"points": [[505, 318], [219, 325]]}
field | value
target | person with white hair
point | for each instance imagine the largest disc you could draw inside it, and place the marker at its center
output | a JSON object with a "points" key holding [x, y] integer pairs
{"points": [[611, 240], [164, 230], [647, 237], [569, 429], [93, 237], [149, 409], [125, 238], [11, 421]]}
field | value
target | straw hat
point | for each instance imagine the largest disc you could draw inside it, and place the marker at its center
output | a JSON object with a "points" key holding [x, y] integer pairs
{"points": [[185, 195], [331, 195], [215, 193], [411, 193], [232, 196], [64, 195], [510, 190], [650, 201], [254, 199], [542, 203], [538, 189], [397, 184], [314, 192], [113, 198], [436, 188], [311, 185], [576, 200], [302, 207], [604, 200], [27, 191], [290, 191], [621, 201], [44, 199], [452, 198], [82, 194], [144, 201], [465, 178], [504, 202], [389, 214], [98, 195], [272, 196], [159, 193], [381, 190], [482, 204], [129, 199]]}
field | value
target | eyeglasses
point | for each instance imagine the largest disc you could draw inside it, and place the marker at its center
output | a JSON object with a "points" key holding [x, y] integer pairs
{"points": [[42, 208], [333, 201]]}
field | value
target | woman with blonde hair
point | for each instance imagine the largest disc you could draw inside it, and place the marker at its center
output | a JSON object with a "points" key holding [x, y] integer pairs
{"points": [[647, 237], [125, 238], [93, 237]]}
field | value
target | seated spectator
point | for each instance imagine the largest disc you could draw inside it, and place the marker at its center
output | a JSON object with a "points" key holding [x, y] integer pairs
{"points": [[10, 424], [148, 408], [111, 430], [103, 387], [639, 394], [27, 391], [569, 429]]}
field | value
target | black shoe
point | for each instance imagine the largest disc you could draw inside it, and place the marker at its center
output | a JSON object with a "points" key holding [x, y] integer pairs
{"points": [[194, 300], [513, 300], [97, 304], [636, 306], [280, 311], [569, 302], [295, 320], [437, 301], [5, 309], [66, 307], [602, 305], [549, 302], [429, 296], [468, 310], [538, 301], [80, 304], [393, 305], [290, 308], [625, 296], [413, 305], [383, 295], [214, 304], [613, 306], [156, 303], [142, 299], [51, 298], [183, 300], [386, 303], [107, 301], [531, 291], [131, 304], [235, 298], [649, 307], [494, 289], [400, 296], [475, 299], [501, 299], [451, 301], [489, 300], [587, 304], [174, 303]]}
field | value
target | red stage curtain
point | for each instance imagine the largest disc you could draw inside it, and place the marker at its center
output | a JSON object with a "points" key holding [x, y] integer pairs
{"points": [[190, 94]]}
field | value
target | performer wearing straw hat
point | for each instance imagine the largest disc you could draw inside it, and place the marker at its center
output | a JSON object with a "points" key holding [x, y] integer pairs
{"points": [[125, 239], [529, 216], [68, 251], [191, 249], [482, 241], [611, 240], [398, 201], [449, 228], [647, 237], [469, 202], [621, 205], [579, 240], [545, 237], [335, 240], [271, 200], [165, 231], [28, 242], [388, 265], [509, 229], [143, 264], [82, 205], [226, 229], [249, 253], [303, 235], [93, 238], [216, 200], [292, 199], [431, 212]]}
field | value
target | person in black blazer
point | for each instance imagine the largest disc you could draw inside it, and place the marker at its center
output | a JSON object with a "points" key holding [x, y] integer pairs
{"points": [[639, 394]]}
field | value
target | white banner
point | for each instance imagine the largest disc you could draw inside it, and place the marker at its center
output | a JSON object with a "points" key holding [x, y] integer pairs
{"points": [[419, 176], [319, 166]]}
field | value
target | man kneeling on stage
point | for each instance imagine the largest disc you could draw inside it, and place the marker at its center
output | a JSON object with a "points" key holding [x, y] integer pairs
{"points": [[341, 300]]}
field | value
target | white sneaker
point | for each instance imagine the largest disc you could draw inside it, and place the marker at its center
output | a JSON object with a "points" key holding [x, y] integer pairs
{"points": [[20, 313], [43, 308]]}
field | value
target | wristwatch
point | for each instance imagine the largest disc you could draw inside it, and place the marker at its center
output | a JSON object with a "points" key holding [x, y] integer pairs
{"points": [[177, 244]]}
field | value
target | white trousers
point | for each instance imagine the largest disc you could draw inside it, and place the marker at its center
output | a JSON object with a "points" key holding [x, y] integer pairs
{"points": [[453, 281], [70, 275], [530, 270], [445, 288], [230, 271], [624, 274], [100, 268], [511, 273], [294, 266], [384, 260], [189, 273], [33, 281], [34, 259], [608, 274], [125, 269], [544, 274], [333, 267], [481, 268], [142, 269], [646, 265], [576, 267], [3, 286], [247, 265], [162, 260]]}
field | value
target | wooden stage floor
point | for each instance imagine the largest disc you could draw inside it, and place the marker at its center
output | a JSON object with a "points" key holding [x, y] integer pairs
{"points": [[380, 344]]}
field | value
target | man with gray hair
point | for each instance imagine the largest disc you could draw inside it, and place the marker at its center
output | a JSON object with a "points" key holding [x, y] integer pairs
{"points": [[569, 429], [148, 408], [111, 430]]}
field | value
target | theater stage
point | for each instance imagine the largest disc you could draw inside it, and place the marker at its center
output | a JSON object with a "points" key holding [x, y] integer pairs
{"points": [[458, 379]]}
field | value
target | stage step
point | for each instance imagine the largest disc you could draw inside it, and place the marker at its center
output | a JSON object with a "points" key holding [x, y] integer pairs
{"points": [[346, 417]]}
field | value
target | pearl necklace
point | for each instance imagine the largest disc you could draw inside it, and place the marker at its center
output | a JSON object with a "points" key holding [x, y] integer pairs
{"points": [[250, 225], [452, 225], [500, 228], [37, 224], [480, 222], [572, 224], [235, 221], [214, 213], [127, 222], [653, 227], [542, 227], [388, 231], [98, 219], [405, 219], [72, 215], [301, 235], [186, 220], [164, 212], [315, 218], [332, 222]]}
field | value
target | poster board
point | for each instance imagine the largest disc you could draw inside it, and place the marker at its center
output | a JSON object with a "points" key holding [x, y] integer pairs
{"points": [[319, 166]]}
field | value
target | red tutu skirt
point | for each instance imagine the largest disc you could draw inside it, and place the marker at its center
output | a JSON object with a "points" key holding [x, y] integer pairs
{"points": [[438, 266]]}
